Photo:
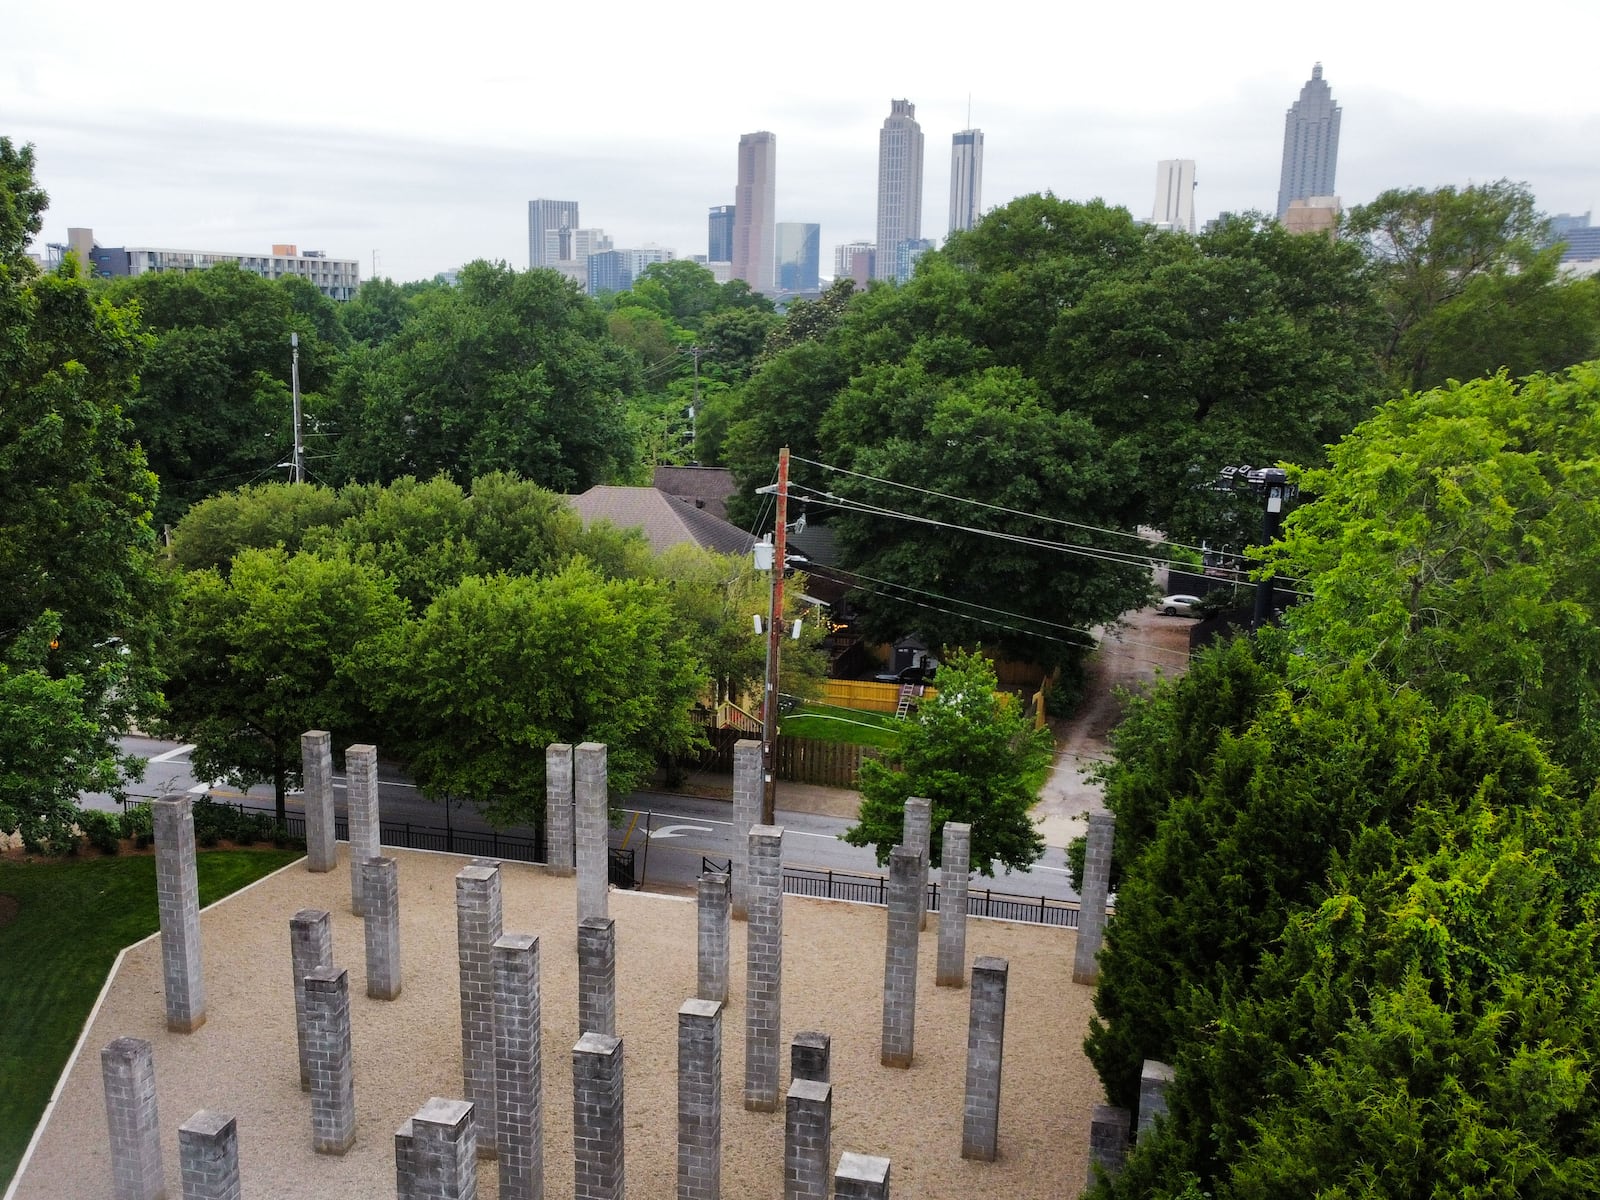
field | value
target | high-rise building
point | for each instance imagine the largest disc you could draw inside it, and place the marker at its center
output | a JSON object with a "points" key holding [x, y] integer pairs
{"points": [[799, 256], [719, 233], [1175, 195], [615, 270], [550, 225], [844, 257], [1310, 144], [966, 178], [754, 211], [899, 185], [336, 278]]}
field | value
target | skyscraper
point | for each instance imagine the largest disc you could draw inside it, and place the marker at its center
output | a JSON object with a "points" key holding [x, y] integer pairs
{"points": [[966, 178], [799, 256], [1310, 144], [1175, 194], [899, 184], [719, 233], [547, 219], [754, 209]]}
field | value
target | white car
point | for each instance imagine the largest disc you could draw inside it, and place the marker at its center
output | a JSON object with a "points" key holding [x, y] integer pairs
{"points": [[1180, 605]]}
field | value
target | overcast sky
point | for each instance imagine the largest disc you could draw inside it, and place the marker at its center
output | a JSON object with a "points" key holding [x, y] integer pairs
{"points": [[420, 133]]}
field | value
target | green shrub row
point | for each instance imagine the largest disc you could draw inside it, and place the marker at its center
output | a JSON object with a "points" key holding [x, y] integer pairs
{"points": [[213, 823]]}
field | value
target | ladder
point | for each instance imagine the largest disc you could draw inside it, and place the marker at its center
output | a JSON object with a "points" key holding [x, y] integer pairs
{"points": [[908, 693]]}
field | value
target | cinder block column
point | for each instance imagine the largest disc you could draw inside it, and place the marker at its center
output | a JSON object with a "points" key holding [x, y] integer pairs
{"points": [[714, 905], [558, 808], [593, 836], [381, 887], [954, 874], [1108, 1141], [1154, 1080], [861, 1177], [518, 1095], [333, 1093], [316, 767], [986, 1040], [808, 1057], [208, 1156], [443, 1159], [310, 947], [477, 928], [900, 958], [763, 1035], [132, 1122], [748, 790], [405, 1166], [361, 809], [700, 1100], [807, 1135], [917, 832], [178, 904], [597, 976], [597, 1118], [1092, 903]]}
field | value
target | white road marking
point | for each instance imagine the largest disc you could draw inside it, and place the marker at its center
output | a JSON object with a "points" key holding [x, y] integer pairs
{"points": [[201, 788], [673, 831], [171, 754]]}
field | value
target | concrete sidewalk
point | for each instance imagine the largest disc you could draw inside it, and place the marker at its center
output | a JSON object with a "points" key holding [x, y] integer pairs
{"points": [[792, 797]]}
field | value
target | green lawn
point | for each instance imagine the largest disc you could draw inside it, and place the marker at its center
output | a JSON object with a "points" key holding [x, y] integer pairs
{"points": [[830, 723], [73, 917]]}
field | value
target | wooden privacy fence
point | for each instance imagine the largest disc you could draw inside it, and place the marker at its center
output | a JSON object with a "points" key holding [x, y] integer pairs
{"points": [[800, 760], [867, 695]]}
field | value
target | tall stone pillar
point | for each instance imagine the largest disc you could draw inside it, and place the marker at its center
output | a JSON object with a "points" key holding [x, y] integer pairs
{"points": [[748, 790], [405, 1163], [380, 882], [763, 1037], [700, 1100], [316, 767], [900, 958], [558, 808], [361, 814], [861, 1177], [442, 1163], [808, 1057], [917, 832], [954, 875], [178, 904], [132, 1122], [807, 1135], [593, 836], [310, 947], [986, 1040], [597, 1118], [597, 976], [518, 1095], [1108, 1141], [208, 1156], [477, 928], [1154, 1080], [1092, 903], [711, 976], [333, 1093]]}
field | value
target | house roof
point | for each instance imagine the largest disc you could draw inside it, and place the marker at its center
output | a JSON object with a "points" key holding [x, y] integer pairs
{"points": [[705, 487], [666, 520]]}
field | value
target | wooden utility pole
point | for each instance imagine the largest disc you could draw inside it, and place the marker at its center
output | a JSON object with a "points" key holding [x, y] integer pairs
{"points": [[769, 713]]}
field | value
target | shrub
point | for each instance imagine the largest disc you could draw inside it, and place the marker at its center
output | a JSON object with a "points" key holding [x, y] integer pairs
{"points": [[102, 829]]}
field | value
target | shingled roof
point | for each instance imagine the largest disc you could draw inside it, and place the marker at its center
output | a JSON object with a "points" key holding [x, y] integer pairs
{"points": [[666, 520], [708, 487]]}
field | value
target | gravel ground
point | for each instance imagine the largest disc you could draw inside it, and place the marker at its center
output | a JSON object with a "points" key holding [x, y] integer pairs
{"points": [[242, 1061]]}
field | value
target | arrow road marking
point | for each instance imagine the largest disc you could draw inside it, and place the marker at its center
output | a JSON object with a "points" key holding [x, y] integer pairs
{"points": [[672, 831]]}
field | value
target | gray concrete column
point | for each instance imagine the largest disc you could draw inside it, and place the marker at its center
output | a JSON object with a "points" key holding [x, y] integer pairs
{"points": [[714, 906], [380, 882], [597, 1118], [763, 1007], [558, 808], [208, 1156], [917, 833], [807, 1134], [477, 928], [1108, 1141], [316, 768], [1154, 1080], [597, 976], [518, 1089], [1092, 902], [986, 1041], [361, 814], [442, 1163], [178, 905], [700, 1100], [405, 1163], [132, 1121], [954, 874], [310, 947], [861, 1177], [748, 790], [593, 829], [333, 1093], [900, 958], [808, 1057]]}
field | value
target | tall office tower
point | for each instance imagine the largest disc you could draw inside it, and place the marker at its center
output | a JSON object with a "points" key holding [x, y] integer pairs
{"points": [[1175, 194], [899, 184], [719, 233], [966, 178], [754, 208], [550, 223], [799, 256], [1310, 144]]}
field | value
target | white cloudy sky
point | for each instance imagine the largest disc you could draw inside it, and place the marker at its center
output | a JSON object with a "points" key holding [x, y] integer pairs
{"points": [[421, 131]]}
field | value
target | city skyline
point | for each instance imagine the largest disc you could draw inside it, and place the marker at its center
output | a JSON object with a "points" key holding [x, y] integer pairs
{"points": [[1310, 144]]}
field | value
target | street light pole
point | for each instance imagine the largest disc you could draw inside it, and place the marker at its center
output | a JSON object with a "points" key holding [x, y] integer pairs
{"points": [[297, 472]]}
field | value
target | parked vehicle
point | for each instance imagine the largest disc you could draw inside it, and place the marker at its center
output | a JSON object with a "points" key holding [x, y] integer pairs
{"points": [[922, 674], [1179, 605]]}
